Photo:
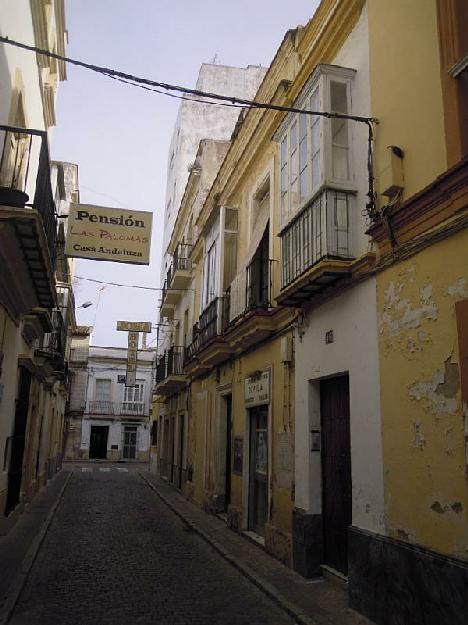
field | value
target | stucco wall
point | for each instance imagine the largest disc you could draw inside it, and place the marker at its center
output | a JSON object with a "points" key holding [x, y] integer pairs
{"points": [[426, 489]]}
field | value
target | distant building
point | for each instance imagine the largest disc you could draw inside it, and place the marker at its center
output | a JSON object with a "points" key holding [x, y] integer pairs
{"points": [[197, 121], [106, 419]]}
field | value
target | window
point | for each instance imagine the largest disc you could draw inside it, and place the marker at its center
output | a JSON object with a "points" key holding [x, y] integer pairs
{"points": [[210, 265], [133, 402], [103, 390], [314, 150]]}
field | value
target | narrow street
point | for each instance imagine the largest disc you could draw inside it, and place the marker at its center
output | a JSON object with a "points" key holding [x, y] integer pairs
{"points": [[115, 554]]}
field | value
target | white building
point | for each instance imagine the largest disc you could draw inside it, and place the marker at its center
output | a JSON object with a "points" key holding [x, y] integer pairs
{"points": [[106, 419], [196, 121]]}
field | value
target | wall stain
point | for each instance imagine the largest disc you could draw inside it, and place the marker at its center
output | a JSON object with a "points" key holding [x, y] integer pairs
{"points": [[441, 390], [401, 314], [419, 442], [459, 289]]}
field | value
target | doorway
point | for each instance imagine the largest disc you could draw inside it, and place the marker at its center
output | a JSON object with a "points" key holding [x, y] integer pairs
{"points": [[17, 441], [181, 449], [336, 471], [227, 467], [130, 442], [258, 474], [98, 442]]}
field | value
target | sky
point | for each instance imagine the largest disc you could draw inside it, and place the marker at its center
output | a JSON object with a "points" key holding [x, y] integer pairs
{"points": [[119, 135]]}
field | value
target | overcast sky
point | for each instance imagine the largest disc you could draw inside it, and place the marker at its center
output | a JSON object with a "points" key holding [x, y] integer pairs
{"points": [[119, 135]]}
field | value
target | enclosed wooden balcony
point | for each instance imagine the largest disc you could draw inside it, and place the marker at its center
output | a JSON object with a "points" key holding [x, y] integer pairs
{"points": [[317, 248]]}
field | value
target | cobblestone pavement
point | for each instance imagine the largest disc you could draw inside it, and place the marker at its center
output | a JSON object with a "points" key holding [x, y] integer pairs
{"points": [[115, 554]]}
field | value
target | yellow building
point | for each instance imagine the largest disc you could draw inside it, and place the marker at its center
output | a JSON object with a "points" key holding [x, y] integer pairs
{"points": [[313, 390], [422, 300]]}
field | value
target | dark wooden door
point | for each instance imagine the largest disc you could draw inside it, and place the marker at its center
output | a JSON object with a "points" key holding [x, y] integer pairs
{"points": [[181, 449], [17, 441], [227, 485], [258, 478], [336, 471], [98, 441]]}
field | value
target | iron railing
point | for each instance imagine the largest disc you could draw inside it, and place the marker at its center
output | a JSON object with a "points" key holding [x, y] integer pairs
{"points": [[250, 290], [170, 363], [181, 259], [320, 231], [25, 172]]}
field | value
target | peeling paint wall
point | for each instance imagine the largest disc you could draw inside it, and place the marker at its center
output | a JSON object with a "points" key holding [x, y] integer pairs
{"points": [[426, 485]]}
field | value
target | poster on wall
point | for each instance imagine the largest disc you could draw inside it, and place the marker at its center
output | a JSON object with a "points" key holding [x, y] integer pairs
{"points": [[237, 455], [113, 234]]}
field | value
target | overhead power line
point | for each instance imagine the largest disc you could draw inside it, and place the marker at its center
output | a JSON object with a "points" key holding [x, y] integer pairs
{"points": [[139, 81], [217, 99], [129, 286]]}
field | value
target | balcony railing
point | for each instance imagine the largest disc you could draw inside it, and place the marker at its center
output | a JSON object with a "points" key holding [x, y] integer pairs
{"points": [[170, 363], [127, 408], [181, 259], [210, 324], [320, 231], [25, 174], [250, 290]]}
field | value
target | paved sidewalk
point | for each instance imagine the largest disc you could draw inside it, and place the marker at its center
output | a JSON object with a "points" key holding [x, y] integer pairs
{"points": [[14, 547], [310, 602]]}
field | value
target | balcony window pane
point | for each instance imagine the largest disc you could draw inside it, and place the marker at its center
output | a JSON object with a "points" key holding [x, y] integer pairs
{"points": [[339, 131], [315, 140]]}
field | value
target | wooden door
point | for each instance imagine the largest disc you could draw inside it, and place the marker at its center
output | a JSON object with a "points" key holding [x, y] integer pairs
{"points": [[17, 441], [336, 471], [258, 475]]}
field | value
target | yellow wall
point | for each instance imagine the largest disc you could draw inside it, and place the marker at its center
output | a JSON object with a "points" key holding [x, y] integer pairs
{"points": [[406, 94], [426, 487]]}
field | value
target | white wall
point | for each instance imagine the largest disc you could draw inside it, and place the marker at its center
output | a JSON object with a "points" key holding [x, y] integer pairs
{"points": [[197, 121], [353, 318]]}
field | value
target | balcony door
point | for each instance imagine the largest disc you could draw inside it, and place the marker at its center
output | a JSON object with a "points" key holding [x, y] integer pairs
{"points": [[133, 400], [258, 474], [102, 396]]}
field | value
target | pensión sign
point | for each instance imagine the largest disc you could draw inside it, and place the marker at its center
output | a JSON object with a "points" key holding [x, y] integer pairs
{"points": [[112, 234]]}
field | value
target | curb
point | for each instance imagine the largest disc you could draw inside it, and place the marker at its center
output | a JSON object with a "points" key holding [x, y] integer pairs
{"points": [[22, 575], [271, 592]]}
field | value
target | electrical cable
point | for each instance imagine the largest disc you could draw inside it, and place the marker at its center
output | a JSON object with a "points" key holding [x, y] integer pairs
{"points": [[129, 286], [130, 78]]}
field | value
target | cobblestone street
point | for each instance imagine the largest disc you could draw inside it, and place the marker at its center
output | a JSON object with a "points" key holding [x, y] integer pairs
{"points": [[116, 554]]}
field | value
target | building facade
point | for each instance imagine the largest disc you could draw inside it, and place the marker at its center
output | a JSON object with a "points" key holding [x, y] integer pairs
{"points": [[34, 311], [106, 419], [312, 387]]}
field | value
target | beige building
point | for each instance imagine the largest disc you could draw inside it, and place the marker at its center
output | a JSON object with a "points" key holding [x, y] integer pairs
{"points": [[34, 311]]}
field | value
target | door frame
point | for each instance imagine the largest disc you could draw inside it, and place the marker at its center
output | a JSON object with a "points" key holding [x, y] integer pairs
{"points": [[223, 391], [246, 456]]}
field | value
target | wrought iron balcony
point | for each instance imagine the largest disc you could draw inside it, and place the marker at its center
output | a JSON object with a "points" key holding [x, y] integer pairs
{"points": [[210, 326], [178, 277], [316, 246], [109, 408], [170, 375], [250, 290], [25, 174]]}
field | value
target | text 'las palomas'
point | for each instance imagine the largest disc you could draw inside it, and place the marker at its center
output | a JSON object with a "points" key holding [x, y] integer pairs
{"points": [[113, 234]]}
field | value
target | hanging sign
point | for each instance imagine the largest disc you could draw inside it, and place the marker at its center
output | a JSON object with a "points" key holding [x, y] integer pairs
{"points": [[103, 233], [132, 355], [134, 326]]}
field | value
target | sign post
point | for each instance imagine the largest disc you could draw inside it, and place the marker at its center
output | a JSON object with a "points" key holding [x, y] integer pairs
{"points": [[133, 328]]}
